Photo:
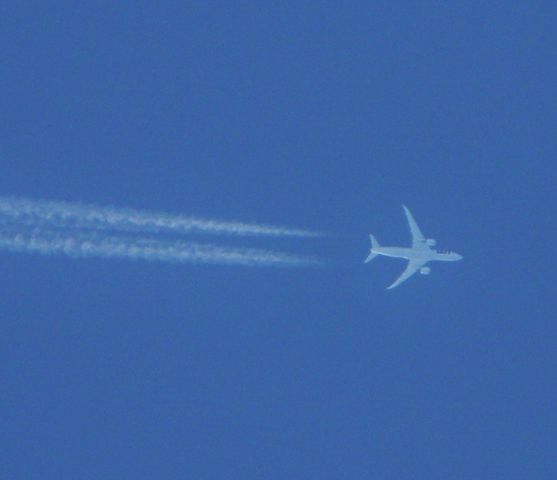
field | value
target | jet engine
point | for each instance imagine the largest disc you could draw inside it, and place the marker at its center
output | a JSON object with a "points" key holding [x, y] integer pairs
{"points": [[430, 242], [425, 270]]}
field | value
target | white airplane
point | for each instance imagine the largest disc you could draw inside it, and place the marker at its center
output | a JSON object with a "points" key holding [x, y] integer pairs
{"points": [[418, 255]]}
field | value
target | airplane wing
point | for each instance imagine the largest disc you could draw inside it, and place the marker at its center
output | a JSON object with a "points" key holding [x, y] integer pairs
{"points": [[412, 267], [418, 240]]}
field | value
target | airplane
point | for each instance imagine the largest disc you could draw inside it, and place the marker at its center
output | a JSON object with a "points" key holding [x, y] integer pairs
{"points": [[418, 255]]}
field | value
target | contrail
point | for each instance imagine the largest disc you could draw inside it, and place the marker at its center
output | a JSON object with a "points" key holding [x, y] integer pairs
{"points": [[66, 215], [92, 244]]}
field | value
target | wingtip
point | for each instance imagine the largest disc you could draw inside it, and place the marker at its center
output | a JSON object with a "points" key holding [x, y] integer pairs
{"points": [[392, 285]]}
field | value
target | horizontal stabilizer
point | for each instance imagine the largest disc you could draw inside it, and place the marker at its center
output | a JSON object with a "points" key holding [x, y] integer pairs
{"points": [[370, 257], [374, 244]]}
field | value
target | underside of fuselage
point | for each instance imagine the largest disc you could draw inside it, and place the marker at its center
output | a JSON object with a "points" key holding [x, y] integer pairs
{"points": [[413, 254], [402, 252]]}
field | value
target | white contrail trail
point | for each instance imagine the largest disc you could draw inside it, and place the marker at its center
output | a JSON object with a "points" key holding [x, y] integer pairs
{"points": [[74, 215], [91, 244]]}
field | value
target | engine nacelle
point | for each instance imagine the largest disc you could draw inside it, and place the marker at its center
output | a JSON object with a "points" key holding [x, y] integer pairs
{"points": [[425, 270], [430, 242]]}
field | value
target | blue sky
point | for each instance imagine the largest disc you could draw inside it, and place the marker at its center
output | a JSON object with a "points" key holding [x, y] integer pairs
{"points": [[318, 116]]}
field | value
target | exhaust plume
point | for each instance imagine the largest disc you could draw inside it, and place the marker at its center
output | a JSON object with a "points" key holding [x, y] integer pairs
{"points": [[92, 244], [65, 215]]}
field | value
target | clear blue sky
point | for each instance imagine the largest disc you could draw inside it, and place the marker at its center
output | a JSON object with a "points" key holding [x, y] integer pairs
{"points": [[317, 115]]}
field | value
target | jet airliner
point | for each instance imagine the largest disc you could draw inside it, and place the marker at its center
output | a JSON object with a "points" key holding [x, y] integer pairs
{"points": [[418, 255]]}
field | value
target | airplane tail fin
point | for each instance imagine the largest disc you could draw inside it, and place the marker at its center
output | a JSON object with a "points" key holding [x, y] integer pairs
{"points": [[372, 254]]}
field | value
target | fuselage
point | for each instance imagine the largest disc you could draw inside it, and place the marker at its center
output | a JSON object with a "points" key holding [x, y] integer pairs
{"points": [[425, 254]]}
